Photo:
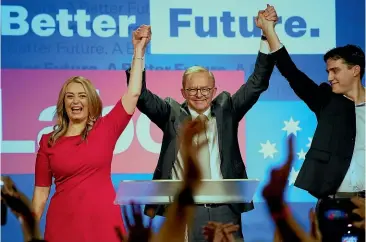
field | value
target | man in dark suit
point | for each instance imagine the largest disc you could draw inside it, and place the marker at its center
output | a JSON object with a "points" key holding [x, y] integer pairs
{"points": [[222, 158], [335, 163]]}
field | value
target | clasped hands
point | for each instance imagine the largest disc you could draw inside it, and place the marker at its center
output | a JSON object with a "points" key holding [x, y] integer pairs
{"points": [[141, 38], [266, 18]]}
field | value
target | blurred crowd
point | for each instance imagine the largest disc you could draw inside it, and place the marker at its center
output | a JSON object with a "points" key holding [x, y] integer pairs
{"points": [[179, 214]]}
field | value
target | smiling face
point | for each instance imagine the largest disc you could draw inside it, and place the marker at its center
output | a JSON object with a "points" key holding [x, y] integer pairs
{"points": [[198, 89], [76, 103], [340, 76], [345, 67]]}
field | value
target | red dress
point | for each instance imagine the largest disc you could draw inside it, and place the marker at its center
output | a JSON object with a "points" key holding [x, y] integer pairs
{"points": [[82, 207]]}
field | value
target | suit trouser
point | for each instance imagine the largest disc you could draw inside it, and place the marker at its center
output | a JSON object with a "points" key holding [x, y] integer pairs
{"points": [[203, 215]]}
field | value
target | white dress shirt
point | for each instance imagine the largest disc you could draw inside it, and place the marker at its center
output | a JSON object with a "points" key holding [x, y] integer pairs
{"points": [[354, 181], [213, 145]]}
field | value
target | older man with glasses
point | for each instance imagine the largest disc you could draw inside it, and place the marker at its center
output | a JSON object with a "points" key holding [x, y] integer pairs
{"points": [[221, 159]]}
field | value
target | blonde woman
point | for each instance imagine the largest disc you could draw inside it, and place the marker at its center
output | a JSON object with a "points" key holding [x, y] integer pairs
{"points": [[78, 155]]}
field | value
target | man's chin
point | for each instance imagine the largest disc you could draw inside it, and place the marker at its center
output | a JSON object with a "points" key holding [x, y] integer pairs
{"points": [[200, 109], [198, 106], [336, 90]]}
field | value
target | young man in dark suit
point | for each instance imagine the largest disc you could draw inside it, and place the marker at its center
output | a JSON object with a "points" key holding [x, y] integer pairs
{"points": [[221, 159], [335, 163]]}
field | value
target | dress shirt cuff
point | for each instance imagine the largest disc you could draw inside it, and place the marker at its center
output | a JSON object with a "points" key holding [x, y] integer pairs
{"points": [[273, 51], [264, 47]]}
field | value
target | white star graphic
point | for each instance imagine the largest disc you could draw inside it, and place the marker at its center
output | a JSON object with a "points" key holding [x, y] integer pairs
{"points": [[301, 155], [291, 127], [310, 140], [268, 149], [292, 177]]}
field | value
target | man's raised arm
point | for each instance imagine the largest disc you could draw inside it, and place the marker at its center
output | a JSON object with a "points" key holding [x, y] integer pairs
{"points": [[303, 86], [258, 82], [155, 108]]}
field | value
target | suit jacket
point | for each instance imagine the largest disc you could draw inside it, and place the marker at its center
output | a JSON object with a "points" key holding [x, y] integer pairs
{"points": [[168, 114], [330, 154]]}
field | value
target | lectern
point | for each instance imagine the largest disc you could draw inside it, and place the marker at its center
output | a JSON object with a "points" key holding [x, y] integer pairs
{"points": [[164, 191]]}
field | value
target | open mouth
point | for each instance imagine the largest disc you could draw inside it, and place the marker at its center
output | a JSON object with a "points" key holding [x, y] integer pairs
{"points": [[76, 110]]}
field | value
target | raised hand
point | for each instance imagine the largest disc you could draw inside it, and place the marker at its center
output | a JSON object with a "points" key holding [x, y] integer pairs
{"points": [[141, 37], [21, 207], [259, 19], [19, 204], [360, 211], [270, 14], [315, 234], [275, 188], [266, 18], [189, 150]]}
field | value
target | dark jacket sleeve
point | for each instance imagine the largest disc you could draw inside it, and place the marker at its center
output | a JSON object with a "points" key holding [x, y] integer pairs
{"points": [[305, 88], [249, 93], [154, 107]]}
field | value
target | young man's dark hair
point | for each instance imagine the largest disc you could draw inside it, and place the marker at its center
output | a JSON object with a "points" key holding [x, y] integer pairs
{"points": [[351, 54]]}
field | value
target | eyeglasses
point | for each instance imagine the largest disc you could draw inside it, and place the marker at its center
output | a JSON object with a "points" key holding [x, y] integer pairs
{"points": [[204, 91]]}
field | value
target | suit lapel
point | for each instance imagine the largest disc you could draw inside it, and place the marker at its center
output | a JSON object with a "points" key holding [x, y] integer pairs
{"points": [[183, 114]]}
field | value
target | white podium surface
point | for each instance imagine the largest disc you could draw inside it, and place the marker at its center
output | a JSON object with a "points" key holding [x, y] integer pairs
{"points": [[163, 191]]}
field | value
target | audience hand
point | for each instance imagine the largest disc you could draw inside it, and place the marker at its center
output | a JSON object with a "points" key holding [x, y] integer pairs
{"points": [[218, 232], [136, 232], [179, 215], [360, 211], [16, 200], [274, 190], [315, 234], [189, 150], [21, 207], [277, 236]]}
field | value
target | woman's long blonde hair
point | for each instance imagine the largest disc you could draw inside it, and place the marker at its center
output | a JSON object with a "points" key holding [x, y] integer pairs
{"points": [[94, 104]]}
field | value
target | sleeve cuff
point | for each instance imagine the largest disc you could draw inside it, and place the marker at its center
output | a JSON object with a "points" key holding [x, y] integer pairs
{"points": [[264, 47], [281, 45]]}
